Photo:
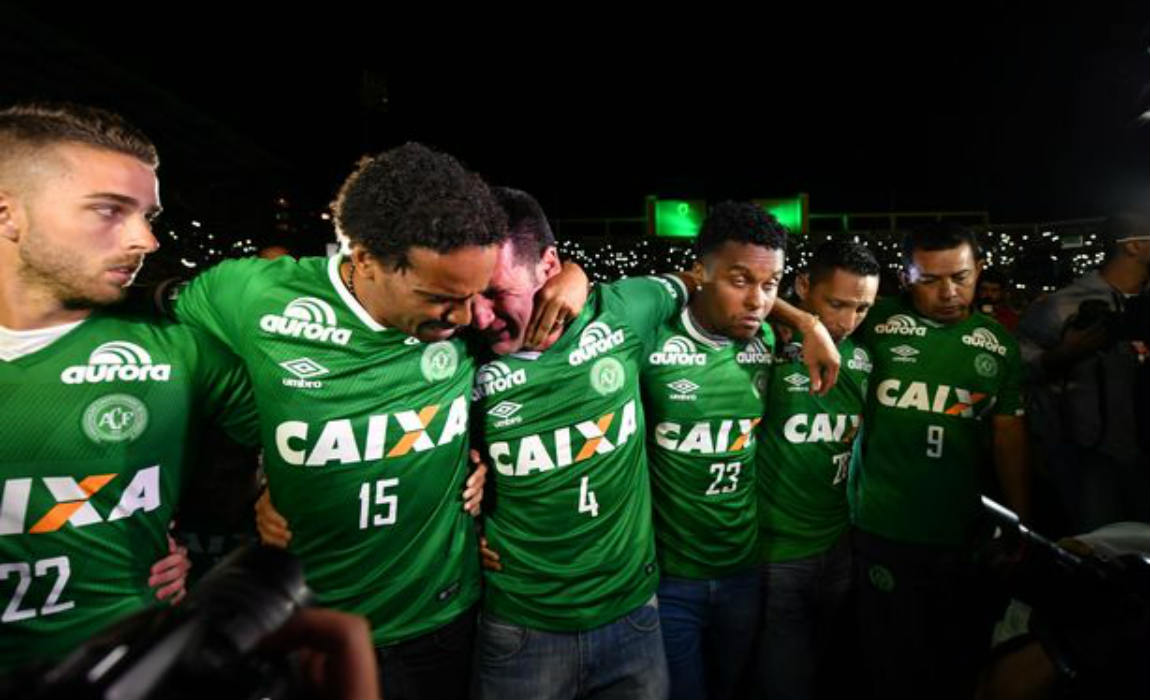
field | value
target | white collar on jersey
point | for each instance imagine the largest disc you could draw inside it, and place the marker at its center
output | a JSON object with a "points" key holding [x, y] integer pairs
{"points": [[17, 344], [348, 299], [712, 341]]}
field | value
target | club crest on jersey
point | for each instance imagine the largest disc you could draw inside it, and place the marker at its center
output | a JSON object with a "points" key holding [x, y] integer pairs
{"points": [[860, 361], [439, 361], [596, 339], [678, 350], [900, 324], [608, 376], [118, 360], [306, 370], [983, 338], [754, 352], [759, 383], [309, 318], [73, 501], [683, 390], [114, 418], [985, 365], [496, 377]]}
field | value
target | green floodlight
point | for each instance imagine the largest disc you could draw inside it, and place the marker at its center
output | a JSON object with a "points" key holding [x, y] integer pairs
{"points": [[791, 212], [675, 218]]}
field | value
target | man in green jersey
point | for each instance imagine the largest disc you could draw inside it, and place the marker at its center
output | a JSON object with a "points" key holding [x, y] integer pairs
{"points": [[98, 408], [801, 462], [363, 391], [702, 387], [571, 611], [944, 417]]}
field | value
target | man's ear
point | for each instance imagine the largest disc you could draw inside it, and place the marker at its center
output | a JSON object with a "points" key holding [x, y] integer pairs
{"points": [[11, 216], [549, 264], [699, 271], [803, 285]]}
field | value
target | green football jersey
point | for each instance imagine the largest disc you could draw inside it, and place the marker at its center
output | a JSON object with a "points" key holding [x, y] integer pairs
{"points": [[703, 397], [804, 453], [96, 429], [365, 438], [926, 446], [563, 432]]}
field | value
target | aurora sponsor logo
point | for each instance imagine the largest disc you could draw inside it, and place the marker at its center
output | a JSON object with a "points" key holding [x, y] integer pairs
{"points": [[678, 351], [900, 324], [754, 352], [117, 361], [309, 318], [860, 361], [984, 339], [596, 339], [496, 377]]}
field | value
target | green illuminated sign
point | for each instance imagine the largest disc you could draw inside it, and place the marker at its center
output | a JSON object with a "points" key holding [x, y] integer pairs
{"points": [[791, 212], [676, 218]]}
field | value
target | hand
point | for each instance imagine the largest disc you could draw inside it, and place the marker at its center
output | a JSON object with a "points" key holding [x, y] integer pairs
{"points": [[272, 526], [335, 649], [821, 356], [557, 302], [489, 557], [473, 490], [169, 575]]}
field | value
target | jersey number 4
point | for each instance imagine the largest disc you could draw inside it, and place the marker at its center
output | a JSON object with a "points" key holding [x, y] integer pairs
{"points": [[587, 500]]}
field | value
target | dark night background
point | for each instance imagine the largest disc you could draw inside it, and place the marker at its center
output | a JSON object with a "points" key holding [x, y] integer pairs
{"points": [[1028, 113]]}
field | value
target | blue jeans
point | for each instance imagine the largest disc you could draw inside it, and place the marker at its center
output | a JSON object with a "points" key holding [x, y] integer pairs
{"points": [[709, 631], [623, 659], [803, 599]]}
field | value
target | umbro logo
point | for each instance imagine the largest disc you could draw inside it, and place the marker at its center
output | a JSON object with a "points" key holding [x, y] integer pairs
{"points": [[683, 390], [904, 353], [306, 370], [797, 381], [505, 411]]}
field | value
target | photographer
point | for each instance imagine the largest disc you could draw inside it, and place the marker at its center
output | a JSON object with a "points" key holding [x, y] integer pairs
{"points": [[1085, 347]]}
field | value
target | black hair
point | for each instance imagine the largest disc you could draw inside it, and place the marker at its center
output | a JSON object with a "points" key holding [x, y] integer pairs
{"points": [[943, 235], [833, 255], [740, 222], [413, 196], [527, 225]]}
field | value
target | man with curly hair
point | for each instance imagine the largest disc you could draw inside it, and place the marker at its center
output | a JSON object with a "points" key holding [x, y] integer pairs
{"points": [[363, 387]]}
